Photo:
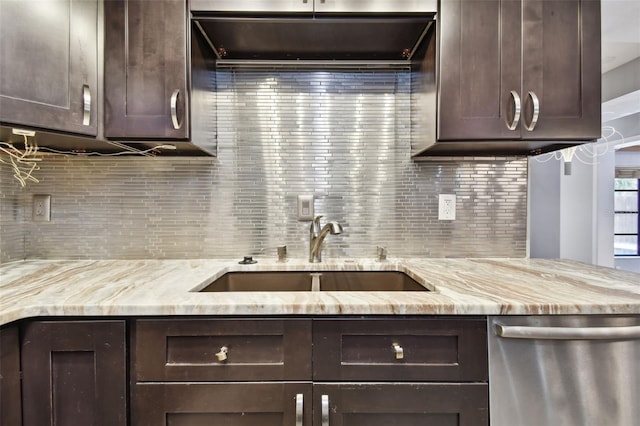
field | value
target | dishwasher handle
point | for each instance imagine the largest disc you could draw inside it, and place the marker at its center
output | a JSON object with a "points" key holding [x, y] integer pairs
{"points": [[568, 333]]}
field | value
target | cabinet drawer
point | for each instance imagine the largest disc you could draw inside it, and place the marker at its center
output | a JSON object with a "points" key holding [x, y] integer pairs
{"points": [[400, 349], [185, 350], [228, 404], [406, 404]]}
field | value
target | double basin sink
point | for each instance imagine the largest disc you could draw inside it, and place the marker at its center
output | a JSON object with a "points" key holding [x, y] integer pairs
{"points": [[315, 281]]}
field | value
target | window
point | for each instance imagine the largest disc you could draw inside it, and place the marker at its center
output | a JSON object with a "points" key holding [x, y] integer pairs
{"points": [[627, 217]]}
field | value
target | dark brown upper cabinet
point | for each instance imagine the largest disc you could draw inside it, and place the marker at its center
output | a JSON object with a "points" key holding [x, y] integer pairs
{"points": [[146, 90], [49, 65], [519, 70]]}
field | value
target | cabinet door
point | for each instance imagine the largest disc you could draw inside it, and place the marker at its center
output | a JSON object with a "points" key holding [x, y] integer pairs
{"points": [[74, 373], [228, 404], [49, 64], [10, 403], [146, 69], [375, 404], [561, 68], [480, 65]]}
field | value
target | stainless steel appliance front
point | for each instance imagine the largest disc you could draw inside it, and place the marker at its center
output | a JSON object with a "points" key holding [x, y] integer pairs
{"points": [[564, 370]]}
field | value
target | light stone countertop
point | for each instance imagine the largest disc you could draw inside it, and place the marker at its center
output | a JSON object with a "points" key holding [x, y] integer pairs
{"points": [[36, 288]]}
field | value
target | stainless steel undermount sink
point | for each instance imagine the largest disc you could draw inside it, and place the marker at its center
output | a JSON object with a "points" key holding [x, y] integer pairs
{"points": [[315, 281]]}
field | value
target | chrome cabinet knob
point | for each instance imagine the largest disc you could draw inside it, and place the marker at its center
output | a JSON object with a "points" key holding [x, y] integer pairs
{"points": [[222, 354], [398, 350]]}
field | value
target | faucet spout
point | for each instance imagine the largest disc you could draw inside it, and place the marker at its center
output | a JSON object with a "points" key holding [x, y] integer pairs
{"points": [[317, 236]]}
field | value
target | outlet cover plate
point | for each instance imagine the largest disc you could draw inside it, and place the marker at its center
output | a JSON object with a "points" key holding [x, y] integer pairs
{"points": [[305, 207], [41, 208], [447, 207]]}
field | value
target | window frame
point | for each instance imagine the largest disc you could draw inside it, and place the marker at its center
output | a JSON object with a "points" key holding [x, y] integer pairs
{"points": [[637, 212]]}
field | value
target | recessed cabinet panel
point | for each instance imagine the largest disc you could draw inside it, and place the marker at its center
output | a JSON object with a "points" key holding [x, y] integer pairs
{"points": [[561, 60], [220, 350], [76, 373], [228, 404], [49, 64], [419, 404], [146, 60], [400, 350], [479, 66]]}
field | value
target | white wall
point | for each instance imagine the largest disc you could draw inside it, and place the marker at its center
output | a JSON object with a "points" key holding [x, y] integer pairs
{"points": [[571, 217]]}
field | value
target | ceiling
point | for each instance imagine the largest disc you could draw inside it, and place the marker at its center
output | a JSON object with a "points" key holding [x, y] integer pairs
{"points": [[620, 32]]}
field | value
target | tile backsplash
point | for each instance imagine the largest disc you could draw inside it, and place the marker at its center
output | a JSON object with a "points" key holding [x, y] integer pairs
{"points": [[12, 219], [343, 136]]}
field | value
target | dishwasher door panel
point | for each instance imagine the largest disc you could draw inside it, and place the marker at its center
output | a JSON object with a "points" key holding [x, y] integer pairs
{"points": [[564, 370]]}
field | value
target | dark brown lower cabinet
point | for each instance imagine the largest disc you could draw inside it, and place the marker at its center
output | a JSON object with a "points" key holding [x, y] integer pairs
{"points": [[10, 397], [74, 373], [228, 404], [364, 371], [306, 404], [401, 404]]}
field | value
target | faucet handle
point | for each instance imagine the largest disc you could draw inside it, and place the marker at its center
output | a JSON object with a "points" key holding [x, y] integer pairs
{"points": [[315, 225]]}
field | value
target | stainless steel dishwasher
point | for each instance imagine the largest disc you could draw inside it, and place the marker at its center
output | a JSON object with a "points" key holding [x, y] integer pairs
{"points": [[581, 370]]}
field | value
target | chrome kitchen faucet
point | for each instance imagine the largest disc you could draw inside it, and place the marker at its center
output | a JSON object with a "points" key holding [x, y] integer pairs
{"points": [[317, 235]]}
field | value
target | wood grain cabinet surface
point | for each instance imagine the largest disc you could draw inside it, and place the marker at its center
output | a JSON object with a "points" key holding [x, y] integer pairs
{"points": [[310, 371], [254, 350], [10, 392], [49, 65], [74, 373], [500, 55], [146, 64], [428, 349]]}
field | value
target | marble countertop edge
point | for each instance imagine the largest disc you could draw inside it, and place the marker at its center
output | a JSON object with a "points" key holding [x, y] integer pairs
{"points": [[127, 288]]}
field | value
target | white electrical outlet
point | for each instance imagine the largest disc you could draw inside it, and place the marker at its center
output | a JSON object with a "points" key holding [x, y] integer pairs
{"points": [[305, 207], [41, 208], [447, 207]]}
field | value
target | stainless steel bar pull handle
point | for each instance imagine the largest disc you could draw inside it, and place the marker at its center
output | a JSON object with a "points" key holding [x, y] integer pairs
{"points": [[299, 409], [517, 108], [325, 410], [568, 333], [174, 109], [86, 105], [536, 112]]}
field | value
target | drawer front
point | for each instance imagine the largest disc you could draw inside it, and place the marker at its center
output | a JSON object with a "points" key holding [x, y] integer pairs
{"points": [[222, 350], [406, 404], [383, 349], [228, 404]]}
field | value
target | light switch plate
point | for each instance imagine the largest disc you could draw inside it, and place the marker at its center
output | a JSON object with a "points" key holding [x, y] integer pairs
{"points": [[447, 207], [305, 207], [41, 208]]}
